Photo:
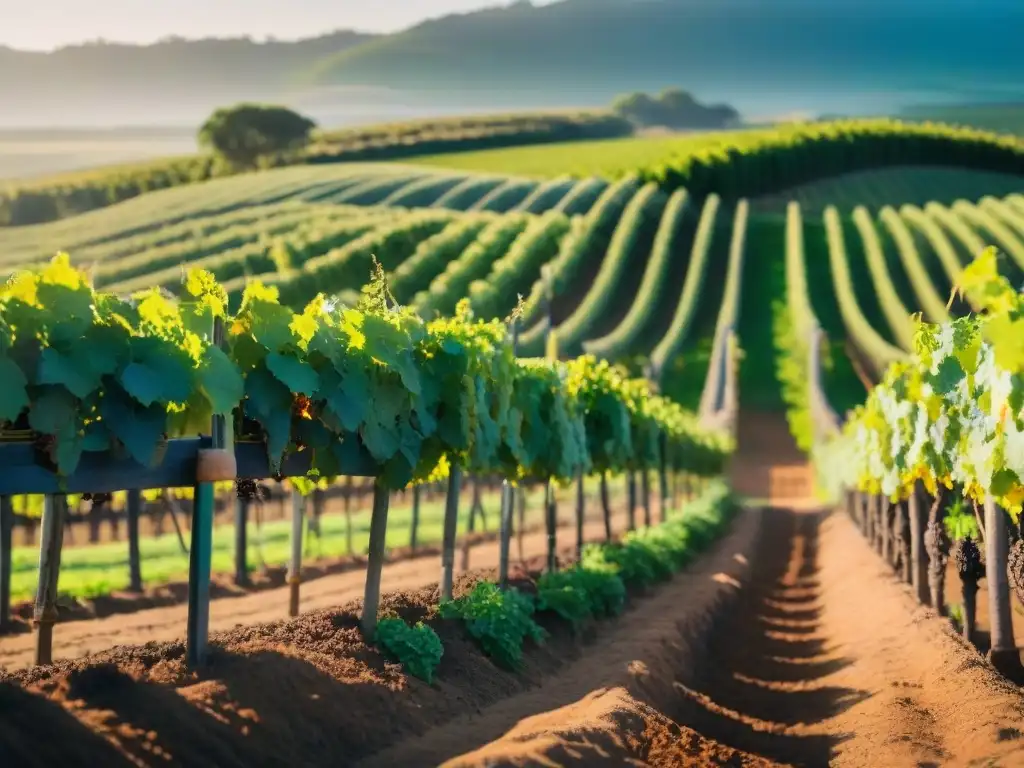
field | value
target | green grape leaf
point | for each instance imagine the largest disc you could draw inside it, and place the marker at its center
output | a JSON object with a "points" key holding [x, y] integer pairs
{"points": [[266, 394], [948, 376], [139, 428], [295, 374], [71, 370], [67, 450], [220, 380], [13, 395], [350, 400], [277, 426], [54, 410], [271, 325]]}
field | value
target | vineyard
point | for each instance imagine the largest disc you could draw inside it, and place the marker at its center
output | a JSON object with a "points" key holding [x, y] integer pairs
{"points": [[407, 361]]}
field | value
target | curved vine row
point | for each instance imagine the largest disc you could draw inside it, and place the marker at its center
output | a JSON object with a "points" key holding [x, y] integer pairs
{"points": [[878, 351], [653, 287], [896, 314], [643, 210], [475, 262], [495, 295], [931, 303], [679, 329]]}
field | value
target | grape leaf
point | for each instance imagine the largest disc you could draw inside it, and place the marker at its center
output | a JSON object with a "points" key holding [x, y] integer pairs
{"points": [[295, 374], [220, 380], [139, 428], [13, 396], [52, 411], [71, 371]]}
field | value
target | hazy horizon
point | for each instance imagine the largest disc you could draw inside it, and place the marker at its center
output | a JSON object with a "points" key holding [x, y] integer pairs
{"points": [[48, 24]]}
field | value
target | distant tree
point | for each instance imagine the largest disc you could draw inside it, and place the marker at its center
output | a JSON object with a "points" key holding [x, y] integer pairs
{"points": [[245, 133], [639, 108], [673, 108]]}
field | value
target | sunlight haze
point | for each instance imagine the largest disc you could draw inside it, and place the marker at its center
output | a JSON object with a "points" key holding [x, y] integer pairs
{"points": [[47, 24]]}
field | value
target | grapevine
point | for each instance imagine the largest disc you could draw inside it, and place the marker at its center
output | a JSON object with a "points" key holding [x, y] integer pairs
{"points": [[85, 371], [952, 414]]}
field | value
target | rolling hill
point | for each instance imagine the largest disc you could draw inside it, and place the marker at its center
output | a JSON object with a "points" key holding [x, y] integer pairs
{"points": [[592, 48], [171, 81], [765, 57]]}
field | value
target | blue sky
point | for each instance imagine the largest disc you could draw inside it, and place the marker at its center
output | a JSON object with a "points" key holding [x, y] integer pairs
{"points": [[45, 24]]}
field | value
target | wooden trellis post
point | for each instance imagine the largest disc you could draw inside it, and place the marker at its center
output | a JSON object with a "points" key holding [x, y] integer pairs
{"points": [[134, 509], [451, 523], [630, 501], [295, 560], [45, 614], [6, 551], [375, 559], [645, 491], [201, 546], [241, 542], [414, 523], [580, 514], [663, 476], [551, 524], [505, 531], [606, 507]]}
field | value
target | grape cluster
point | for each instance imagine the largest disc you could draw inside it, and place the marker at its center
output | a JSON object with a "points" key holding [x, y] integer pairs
{"points": [[251, 490], [968, 561]]}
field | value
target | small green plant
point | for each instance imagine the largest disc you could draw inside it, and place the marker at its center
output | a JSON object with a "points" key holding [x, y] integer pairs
{"points": [[956, 614], [960, 522], [417, 648], [499, 621], [582, 592]]}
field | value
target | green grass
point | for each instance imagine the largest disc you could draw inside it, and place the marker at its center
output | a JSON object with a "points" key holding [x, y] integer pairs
{"points": [[610, 157], [99, 569], [103, 568]]}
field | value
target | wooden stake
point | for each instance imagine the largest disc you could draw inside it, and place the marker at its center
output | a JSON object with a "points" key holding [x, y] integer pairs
{"points": [[295, 561], [6, 551], [375, 563], [134, 509], [505, 532], [451, 523], [45, 614], [580, 513], [415, 522], [241, 542]]}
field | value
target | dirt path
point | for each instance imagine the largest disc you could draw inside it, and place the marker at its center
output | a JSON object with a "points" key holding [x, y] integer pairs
{"points": [[830, 661], [824, 659], [84, 638]]}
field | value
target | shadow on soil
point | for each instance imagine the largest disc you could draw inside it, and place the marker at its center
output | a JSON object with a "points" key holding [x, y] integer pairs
{"points": [[767, 662], [310, 687]]}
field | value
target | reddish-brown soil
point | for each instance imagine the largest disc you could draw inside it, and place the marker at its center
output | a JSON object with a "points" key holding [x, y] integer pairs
{"points": [[789, 643], [805, 653], [234, 607]]}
